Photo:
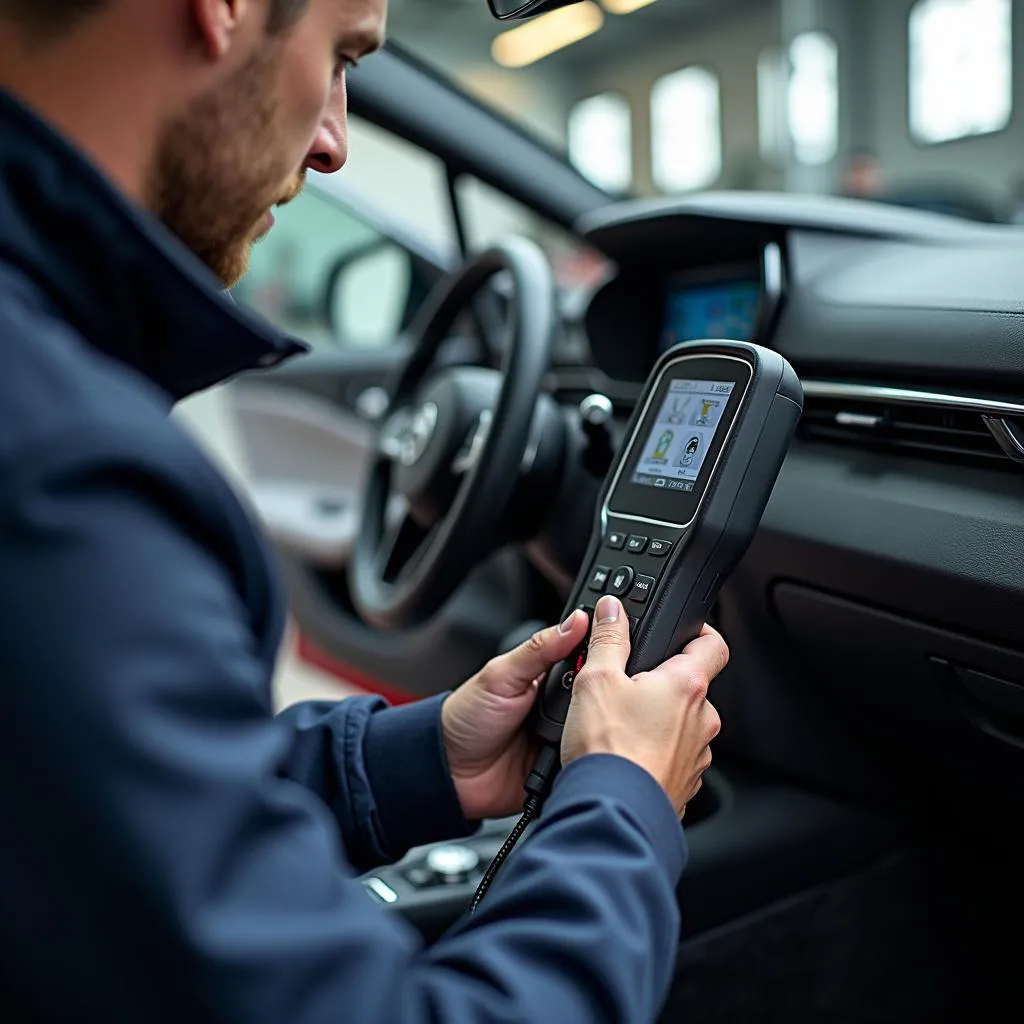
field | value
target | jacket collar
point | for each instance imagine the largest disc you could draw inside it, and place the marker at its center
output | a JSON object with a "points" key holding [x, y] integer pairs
{"points": [[124, 282]]}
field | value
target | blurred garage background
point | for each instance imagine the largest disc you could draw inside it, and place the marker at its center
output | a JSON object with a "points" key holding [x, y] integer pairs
{"points": [[913, 102]]}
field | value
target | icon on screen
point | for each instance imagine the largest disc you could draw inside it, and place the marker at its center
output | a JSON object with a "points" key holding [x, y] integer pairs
{"points": [[689, 452], [706, 412], [664, 443], [677, 412]]}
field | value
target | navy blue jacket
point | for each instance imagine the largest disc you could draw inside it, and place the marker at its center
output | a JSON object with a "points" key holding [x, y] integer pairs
{"points": [[170, 850]]}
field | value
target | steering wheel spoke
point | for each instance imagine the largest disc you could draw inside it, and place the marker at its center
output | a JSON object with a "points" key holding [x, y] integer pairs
{"points": [[469, 453], [403, 542]]}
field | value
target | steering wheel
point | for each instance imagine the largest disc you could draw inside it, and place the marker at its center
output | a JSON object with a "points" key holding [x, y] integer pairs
{"points": [[449, 453]]}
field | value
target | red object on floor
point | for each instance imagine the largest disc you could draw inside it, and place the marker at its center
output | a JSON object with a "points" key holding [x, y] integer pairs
{"points": [[320, 659]]}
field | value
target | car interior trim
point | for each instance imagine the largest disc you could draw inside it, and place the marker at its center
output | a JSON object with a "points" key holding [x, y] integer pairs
{"points": [[1008, 436], [772, 290], [909, 396]]}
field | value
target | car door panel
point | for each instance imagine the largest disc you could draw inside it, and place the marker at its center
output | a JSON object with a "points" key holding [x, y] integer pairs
{"points": [[306, 459]]}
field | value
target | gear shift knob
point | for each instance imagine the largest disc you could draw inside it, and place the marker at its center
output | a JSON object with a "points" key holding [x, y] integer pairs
{"points": [[595, 418], [596, 410]]}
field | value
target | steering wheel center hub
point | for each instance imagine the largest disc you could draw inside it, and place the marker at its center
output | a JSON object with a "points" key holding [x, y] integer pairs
{"points": [[416, 434], [433, 442]]}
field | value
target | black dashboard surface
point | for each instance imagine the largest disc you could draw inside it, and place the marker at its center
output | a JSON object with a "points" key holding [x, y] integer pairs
{"points": [[877, 622], [866, 288]]}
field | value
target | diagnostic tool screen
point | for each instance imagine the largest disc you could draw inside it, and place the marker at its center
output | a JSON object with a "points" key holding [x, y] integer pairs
{"points": [[683, 433], [683, 428], [724, 309]]}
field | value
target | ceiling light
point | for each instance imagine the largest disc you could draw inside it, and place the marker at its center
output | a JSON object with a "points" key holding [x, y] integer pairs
{"points": [[625, 6], [544, 35]]}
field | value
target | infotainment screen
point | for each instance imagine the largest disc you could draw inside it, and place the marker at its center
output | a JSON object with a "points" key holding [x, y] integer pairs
{"points": [[684, 426], [682, 434], [716, 310]]}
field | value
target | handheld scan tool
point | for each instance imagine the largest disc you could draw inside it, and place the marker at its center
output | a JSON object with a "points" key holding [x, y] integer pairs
{"points": [[680, 505]]}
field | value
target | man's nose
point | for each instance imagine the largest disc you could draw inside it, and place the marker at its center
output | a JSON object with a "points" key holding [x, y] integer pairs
{"points": [[330, 147]]}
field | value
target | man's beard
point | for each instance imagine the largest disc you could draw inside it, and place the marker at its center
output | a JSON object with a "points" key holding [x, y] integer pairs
{"points": [[216, 174]]}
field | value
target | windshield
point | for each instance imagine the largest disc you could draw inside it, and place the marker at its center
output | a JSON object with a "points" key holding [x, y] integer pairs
{"points": [[903, 101]]}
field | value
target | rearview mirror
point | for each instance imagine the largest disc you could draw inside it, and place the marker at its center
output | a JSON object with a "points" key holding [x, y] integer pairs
{"points": [[516, 10]]}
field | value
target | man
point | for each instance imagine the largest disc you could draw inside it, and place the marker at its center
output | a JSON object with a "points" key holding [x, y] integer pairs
{"points": [[171, 851], [862, 176]]}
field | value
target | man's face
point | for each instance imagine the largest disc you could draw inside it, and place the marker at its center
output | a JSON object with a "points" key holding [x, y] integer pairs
{"points": [[244, 146]]}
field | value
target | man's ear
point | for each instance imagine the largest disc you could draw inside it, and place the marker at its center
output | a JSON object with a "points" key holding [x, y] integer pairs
{"points": [[218, 22]]}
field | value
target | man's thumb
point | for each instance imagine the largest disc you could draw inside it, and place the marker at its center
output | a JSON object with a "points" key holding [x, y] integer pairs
{"points": [[545, 648], [609, 640]]}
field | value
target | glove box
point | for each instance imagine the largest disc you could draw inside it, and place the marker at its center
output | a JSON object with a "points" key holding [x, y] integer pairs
{"points": [[951, 703]]}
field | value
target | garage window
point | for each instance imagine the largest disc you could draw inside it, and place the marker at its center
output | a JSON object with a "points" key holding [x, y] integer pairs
{"points": [[686, 130], [600, 141], [961, 68]]}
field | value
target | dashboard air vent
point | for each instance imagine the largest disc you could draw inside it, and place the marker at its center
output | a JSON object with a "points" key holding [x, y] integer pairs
{"points": [[937, 426]]}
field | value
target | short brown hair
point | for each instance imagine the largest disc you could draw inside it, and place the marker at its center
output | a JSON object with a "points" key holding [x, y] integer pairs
{"points": [[49, 19], [46, 19]]}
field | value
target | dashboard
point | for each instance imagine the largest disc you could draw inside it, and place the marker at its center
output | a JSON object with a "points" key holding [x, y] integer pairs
{"points": [[876, 621], [642, 311]]}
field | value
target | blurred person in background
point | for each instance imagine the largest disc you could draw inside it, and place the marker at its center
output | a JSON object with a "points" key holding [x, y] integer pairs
{"points": [[172, 851], [862, 175]]}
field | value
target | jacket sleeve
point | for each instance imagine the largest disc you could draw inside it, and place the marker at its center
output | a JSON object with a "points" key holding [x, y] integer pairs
{"points": [[159, 864], [382, 771]]}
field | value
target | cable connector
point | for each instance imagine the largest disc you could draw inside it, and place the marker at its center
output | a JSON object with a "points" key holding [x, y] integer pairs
{"points": [[542, 774]]}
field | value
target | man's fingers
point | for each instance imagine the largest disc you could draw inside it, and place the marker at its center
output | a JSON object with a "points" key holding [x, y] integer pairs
{"points": [[702, 766], [609, 639], [709, 630], [516, 671], [709, 651], [710, 644], [711, 721], [702, 659]]}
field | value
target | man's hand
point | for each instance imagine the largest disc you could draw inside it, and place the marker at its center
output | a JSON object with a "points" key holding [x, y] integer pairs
{"points": [[660, 720], [489, 752]]}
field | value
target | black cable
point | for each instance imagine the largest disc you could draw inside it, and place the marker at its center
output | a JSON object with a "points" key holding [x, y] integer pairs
{"points": [[529, 813], [537, 786]]}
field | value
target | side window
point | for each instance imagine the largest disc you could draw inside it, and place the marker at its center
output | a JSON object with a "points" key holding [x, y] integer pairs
{"points": [[349, 261], [491, 216], [405, 183], [291, 270]]}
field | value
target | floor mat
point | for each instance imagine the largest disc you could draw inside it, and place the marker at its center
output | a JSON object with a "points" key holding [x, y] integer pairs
{"points": [[912, 939]]}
